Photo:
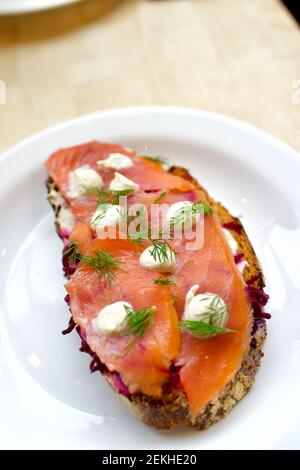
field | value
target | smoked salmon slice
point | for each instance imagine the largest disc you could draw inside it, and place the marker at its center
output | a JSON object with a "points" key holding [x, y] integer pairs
{"points": [[207, 365], [81, 234], [149, 175], [145, 367]]}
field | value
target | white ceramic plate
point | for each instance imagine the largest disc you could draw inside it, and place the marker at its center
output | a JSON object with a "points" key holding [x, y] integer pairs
{"points": [[48, 397], [15, 7]]}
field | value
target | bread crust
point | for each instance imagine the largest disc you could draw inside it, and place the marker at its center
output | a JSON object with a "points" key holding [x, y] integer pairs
{"points": [[172, 409]]}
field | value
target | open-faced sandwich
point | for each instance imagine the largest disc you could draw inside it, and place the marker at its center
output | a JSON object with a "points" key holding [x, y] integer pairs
{"points": [[169, 302]]}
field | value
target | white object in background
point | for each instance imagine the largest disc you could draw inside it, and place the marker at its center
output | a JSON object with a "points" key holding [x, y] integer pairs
{"points": [[16, 7]]}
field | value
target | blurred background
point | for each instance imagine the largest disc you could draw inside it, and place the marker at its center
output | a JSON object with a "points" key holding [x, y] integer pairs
{"points": [[236, 57]]}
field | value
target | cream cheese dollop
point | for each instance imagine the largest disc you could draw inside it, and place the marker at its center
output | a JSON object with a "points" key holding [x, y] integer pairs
{"points": [[231, 241], [111, 320], [120, 183], [82, 180], [65, 218], [108, 215], [199, 308], [234, 248], [174, 213], [167, 265], [116, 161]]}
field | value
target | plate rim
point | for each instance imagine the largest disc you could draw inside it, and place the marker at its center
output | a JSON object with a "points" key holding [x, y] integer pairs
{"points": [[261, 137], [218, 118]]}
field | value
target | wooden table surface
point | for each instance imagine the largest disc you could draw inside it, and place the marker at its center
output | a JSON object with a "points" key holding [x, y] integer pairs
{"points": [[235, 57]]}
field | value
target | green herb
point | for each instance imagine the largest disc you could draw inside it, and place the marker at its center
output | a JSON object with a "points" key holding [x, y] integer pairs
{"points": [[104, 209], [164, 282], [156, 158], [134, 236], [139, 322], [216, 310], [160, 197], [202, 329], [72, 253], [104, 265], [109, 196], [162, 251], [208, 210], [188, 211]]}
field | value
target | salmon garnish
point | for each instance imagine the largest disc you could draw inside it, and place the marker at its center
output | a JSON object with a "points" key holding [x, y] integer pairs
{"points": [[145, 366], [207, 365]]}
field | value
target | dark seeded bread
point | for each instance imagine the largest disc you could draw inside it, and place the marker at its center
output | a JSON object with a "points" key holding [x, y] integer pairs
{"points": [[172, 408]]}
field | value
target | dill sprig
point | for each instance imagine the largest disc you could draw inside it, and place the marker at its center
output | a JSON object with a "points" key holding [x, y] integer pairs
{"points": [[104, 209], [157, 159], [189, 211], [139, 322], [164, 282], [202, 329], [162, 251], [72, 253], [136, 237], [216, 310], [105, 266], [160, 197], [109, 196]]}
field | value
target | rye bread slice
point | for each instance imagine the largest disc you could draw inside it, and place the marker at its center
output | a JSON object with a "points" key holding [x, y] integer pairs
{"points": [[172, 409]]}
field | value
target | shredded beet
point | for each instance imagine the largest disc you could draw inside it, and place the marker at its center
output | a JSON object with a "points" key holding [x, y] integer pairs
{"points": [[257, 295], [64, 235], [253, 279], [235, 226], [96, 364], [69, 265], [238, 258], [70, 327], [258, 300], [154, 190], [118, 384], [174, 380]]}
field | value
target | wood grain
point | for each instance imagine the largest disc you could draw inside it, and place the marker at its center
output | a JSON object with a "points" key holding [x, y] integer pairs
{"points": [[235, 57]]}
